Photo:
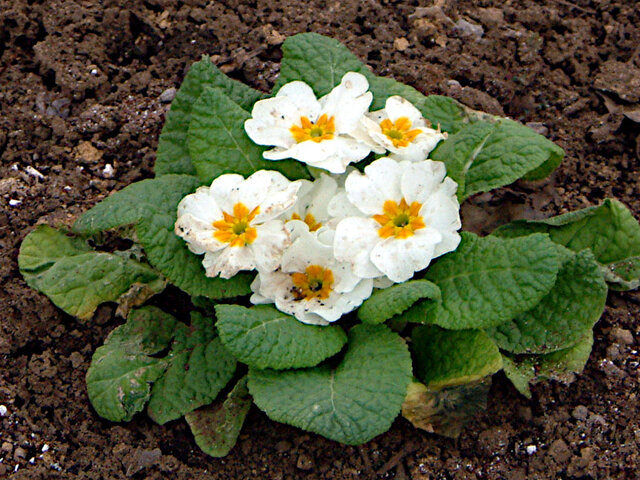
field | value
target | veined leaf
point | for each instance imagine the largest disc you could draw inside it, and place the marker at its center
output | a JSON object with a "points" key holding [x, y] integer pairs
{"points": [[351, 404], [264, 337], [388, 302], [486, 282]]}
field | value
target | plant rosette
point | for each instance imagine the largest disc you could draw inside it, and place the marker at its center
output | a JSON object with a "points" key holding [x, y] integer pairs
{"points": [[316, 235]]}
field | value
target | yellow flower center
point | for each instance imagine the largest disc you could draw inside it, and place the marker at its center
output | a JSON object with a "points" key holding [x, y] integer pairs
{"points": [[399, 220], [315, 282], [399, 132], [309, 219], [323, 129], [236, 229]]}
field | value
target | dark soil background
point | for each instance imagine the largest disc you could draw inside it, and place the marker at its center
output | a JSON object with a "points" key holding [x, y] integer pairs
{"points": [[84, 87]]}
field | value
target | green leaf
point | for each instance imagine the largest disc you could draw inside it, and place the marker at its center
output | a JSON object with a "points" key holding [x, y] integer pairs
{"points": [[77, 279], [609, 230], [319, 61], [122, 370], [561, 365], [448, 358], [351, 404], [484, 155], [565, 315], [263, 337], [216, 427], [198, 367], [488, 281], [173, 155], [388, 302], [446, 112], [218, 143], [623, 275], [446, 411], [152, 205]]}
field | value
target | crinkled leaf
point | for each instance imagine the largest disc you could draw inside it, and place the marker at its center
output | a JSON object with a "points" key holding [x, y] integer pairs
{"points": [[564, 315], [487, 155], [218, 143], [216, 427], [561, 365], [445, 112], [264, 337], [152, 205], [77, 279], [445, 411], [488, 281], [173, 155], [447, 358], [351, 404], [609, 230], [198, 367], [388, 302], [122, 370]]}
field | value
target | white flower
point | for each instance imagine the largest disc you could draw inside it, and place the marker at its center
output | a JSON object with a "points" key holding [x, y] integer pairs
{"points": [[311, 284], [313, 201], [401, 129], [234, 222], [313, 131], [409, 214]]}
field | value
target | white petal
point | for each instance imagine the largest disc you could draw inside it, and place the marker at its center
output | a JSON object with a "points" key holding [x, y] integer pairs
{"points": [[397, 107], [270, 190], [271, 121], [449, 242], [223, 189], [306, 250], [363, 133], [317, 202], [339, 304], [340, 207], [200, 205], [354, 240], [302, 97], [269, 245], [257, 298], [382, 282], [421, 179], [441, 212], [197, 233], [333, 155], [419, 149], [399, 259], [380, 182], [229, 261], [348, 102]]}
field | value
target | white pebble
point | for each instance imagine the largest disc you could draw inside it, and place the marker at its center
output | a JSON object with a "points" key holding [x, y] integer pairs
{"points": [[3, 410], [531, 449], [32, 460], [45, 448], [108, 171], [34, 173], [14, 203], [94, 71]]}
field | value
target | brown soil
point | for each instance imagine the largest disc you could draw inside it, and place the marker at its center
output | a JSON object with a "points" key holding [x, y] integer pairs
{"points": [[81, 87]]}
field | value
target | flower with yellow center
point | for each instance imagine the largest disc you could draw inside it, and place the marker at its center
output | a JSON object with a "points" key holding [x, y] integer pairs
{"points": [[314, 282], [311, 284], [236, 229], [399, 132], [407, 214], [400, 129], [235, 222], [313, 199], [323, 129], [399, 220], [316, 132]]}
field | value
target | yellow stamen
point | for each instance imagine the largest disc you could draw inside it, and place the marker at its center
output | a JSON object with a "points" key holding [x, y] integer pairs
{"points": [[399, 220], [309, 219], [400, 132], [315, 282], [236, 229], [323, 129]]}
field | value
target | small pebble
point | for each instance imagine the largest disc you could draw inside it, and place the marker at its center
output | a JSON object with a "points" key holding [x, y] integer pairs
{"points": [[14, 203], [401, 44], [622, 336], [168, 95], [304, 462], [94, 72], [32, 460], [19, 453], [3, 409], [107, 172], [45, 448], [467, 29], [580, 412], [34, 173], [531, 449]]}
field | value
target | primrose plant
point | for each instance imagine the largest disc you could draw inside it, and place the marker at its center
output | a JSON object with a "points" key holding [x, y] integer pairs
{"points": [[316, 236]]}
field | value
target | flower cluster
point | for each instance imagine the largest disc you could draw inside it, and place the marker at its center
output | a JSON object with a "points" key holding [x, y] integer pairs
{"points": [[321, 247]]}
